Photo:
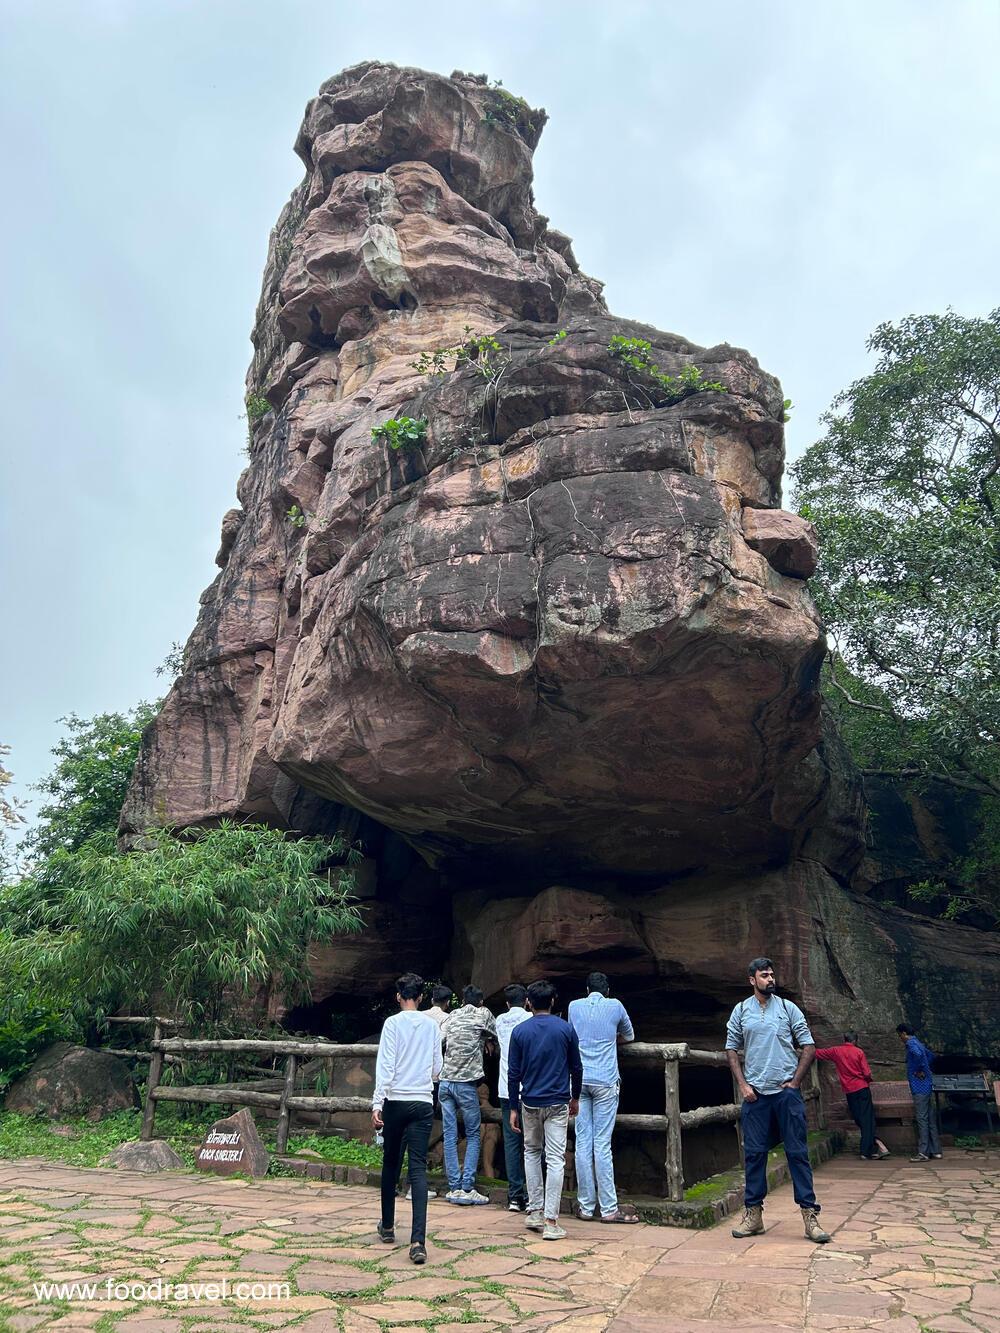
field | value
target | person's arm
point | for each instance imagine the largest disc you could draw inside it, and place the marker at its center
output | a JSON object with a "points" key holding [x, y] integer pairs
{"points": [[734, 1044], [866, 1072], [626, 1032], [575, 1072], [825, 1052], [807, 1047], [514, 1079], [488, 1032], [385, 1070], [437, 1060]]}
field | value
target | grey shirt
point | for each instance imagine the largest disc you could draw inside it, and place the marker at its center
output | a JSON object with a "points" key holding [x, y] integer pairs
{"points": [[767, 1037]]}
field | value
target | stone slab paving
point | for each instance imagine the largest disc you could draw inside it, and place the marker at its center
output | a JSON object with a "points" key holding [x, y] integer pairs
{"points": [[916, 1249]]}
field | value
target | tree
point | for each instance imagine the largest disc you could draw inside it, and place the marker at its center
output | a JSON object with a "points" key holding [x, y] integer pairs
{"points": [[203, 926], [10, 815], [903, 489], [87, 787]]}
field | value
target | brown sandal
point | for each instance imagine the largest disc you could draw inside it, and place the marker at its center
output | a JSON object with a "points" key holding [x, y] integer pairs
{"points": [[625, 1218]]}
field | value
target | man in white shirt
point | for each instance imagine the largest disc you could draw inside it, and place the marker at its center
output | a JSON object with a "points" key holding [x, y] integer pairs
{"points": [[513, 1144], [440, 1004], [409, 1060]]}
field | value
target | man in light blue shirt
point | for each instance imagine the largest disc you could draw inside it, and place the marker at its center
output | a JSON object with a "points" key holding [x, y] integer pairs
{"points": [[766, 1028], [600, 1025]]}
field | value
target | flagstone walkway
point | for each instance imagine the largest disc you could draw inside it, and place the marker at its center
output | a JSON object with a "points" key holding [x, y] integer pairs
{"points": [[914, 1249]]}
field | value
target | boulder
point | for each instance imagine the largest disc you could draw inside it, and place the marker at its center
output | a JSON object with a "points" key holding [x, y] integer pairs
{"points": [[68, 1080], [788, 542], [156, 1155], [233, 1147]]}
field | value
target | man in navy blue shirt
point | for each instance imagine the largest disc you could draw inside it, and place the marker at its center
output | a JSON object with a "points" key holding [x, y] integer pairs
{"points": [[544, 1074], [919, 1059]]}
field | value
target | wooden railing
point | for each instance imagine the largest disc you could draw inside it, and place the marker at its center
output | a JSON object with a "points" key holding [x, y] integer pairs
{"points": [[671, 1123]]}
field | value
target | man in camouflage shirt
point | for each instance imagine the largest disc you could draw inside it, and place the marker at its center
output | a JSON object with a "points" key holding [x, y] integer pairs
{"points": [[465, 1033]]}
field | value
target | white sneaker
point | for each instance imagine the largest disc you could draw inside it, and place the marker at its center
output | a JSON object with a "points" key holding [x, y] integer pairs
{"points": [[534, 1221], [474, 1197], [431, 1194], [455, 1196], [553, 1231]]}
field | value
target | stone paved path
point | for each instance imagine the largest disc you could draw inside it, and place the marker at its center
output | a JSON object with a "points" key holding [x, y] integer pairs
{"points": [[915, 1249]]}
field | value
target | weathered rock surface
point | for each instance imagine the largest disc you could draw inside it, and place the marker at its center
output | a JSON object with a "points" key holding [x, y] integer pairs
{"points": [[542, 631], [563, 647], [68, 1080], [156, 1155]]}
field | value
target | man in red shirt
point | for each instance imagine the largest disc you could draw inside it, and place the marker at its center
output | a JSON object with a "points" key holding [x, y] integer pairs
{"points": [[852, 1069]]}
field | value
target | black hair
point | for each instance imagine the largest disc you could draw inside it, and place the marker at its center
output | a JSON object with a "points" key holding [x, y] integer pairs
{"points": [[541, 995], [472, 995], [902, 1028], [440, 993], [852, 1037], [515, 994], [409, 986], [599, 982], [758, 965]]}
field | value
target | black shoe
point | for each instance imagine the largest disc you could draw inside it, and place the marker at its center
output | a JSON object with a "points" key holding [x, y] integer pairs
{"points": [[387, 1234], [418, 1254]]}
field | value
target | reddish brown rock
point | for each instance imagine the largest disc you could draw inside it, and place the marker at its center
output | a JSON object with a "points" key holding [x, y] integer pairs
{"points": [[788, 542], [68, 1080], [233, 1147]]}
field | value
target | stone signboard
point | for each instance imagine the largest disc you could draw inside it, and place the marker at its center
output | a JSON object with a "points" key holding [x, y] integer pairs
{"points": [[233, 1147]]}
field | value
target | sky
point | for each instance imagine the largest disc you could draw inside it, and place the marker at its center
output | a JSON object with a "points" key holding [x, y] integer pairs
{"points": [[781, 176]]}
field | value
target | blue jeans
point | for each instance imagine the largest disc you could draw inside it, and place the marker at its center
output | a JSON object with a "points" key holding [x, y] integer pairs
{"points": [[787, 1109], [513, 1156], [455, 1097], [595, 1172]]}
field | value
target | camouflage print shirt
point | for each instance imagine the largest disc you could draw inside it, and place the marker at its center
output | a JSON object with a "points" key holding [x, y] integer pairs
{"points": [[465, 1033]]}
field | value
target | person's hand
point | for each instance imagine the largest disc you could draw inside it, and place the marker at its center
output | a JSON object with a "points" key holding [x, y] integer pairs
{"points": [[377, 1120], [574, 1107], [515, 1124], [791, 1084], [748, 1093]]}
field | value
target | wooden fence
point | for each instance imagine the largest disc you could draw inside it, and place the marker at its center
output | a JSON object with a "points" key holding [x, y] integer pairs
{"points": [[671, 1124]]}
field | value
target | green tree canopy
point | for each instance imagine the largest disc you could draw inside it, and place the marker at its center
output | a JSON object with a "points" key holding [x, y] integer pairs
{"points": [[202, 927], [87, 787], [903, 489]]}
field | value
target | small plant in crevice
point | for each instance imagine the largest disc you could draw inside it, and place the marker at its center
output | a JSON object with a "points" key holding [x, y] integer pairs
{"points": [[483, 353], [295, 517], [401, 432], [635, 354], [510, 112], [558, 338], [786, 410], [257, 406]]}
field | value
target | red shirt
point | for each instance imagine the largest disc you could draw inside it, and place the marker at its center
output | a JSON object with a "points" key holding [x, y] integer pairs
{"points": [[852, 1066]]}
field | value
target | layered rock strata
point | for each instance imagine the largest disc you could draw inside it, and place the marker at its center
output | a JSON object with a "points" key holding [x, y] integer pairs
{"points": [[560, 643]]}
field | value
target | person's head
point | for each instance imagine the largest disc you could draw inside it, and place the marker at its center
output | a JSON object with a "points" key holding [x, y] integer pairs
{"points": [[761, 974], [441, 996], [472, 995], [904, 1032], [515, 994], [597, 981], [851, 1038], [409, 988], [541, 996]]}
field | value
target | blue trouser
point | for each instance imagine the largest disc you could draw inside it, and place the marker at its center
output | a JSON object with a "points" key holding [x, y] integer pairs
{"points": [[595, 1172], [787, 1111], [456, 1097], [513, 1156]]}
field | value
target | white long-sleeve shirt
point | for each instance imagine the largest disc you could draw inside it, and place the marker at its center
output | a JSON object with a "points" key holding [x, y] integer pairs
{"points": [[409, 1059]]}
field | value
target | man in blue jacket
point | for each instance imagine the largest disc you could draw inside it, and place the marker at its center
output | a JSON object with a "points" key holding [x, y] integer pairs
{"points": [[544, 1075], [919, 1059]]}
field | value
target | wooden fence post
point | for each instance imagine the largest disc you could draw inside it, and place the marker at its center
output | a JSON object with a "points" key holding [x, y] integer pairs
{"points": [[675, 1160], [155, 1070], [284, 1110]]}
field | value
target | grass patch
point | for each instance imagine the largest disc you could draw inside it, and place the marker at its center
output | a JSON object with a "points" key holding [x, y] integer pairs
{"points": [[342, 1152]]}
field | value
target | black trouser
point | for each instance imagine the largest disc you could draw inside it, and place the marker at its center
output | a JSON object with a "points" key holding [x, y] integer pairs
{"points": [[406, 1125], [863, 1114]]}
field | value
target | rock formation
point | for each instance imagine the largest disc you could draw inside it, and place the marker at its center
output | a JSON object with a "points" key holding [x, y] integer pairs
{"points": [[554, 660]]}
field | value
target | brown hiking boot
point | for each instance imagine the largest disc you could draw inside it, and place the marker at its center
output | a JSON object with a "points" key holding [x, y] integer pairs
{"points": [[752, 1223], [813, 1229]]}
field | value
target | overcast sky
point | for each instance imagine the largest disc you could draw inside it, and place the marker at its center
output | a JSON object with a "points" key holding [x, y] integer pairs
{"points": [[782, 176]]}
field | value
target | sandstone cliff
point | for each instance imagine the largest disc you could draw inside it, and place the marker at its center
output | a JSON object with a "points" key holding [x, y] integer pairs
{"points": [[554, 661]]}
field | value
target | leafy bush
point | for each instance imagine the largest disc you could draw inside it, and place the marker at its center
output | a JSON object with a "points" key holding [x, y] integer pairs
{"points": [[257, 407], [483, 353], [636, 354], [295, 517], [204, 928], [27, 1026], [401, 432]]}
